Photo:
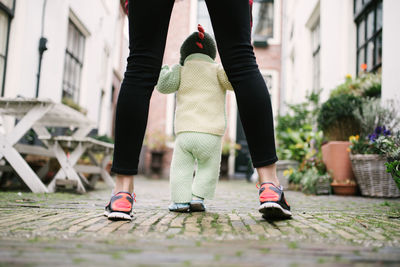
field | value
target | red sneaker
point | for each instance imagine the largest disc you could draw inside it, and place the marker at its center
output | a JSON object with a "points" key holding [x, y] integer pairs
{"points": [[120, 206], [273, 204]]}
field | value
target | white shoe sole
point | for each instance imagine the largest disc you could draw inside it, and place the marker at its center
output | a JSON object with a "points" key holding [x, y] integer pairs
{"points": [[119, 216], [272, 210]]}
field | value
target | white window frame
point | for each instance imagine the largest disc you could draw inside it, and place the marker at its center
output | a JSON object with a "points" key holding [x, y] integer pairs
{"points": [[275, 40], [274, 89]]}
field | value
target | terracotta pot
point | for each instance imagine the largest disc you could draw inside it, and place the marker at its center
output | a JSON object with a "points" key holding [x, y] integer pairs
{"points": [[337, 160], [344, 189]]}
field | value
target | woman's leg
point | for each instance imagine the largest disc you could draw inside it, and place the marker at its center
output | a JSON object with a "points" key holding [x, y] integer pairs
{"points": [[231, 24], [148, 27]]}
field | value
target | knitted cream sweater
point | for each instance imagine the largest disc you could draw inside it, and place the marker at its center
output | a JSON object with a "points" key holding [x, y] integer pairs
{"points": [[201, 84]]}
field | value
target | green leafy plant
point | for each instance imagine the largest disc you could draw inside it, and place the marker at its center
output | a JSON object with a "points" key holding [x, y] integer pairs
{"points": [[393, 167], [366, 85], [104, 138], [227, 145], [336, 117], [157, 141], [373, 113], [295, 131], [311, 178]]}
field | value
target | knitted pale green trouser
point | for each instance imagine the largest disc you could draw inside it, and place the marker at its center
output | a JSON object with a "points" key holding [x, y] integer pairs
{"points": [[189, 147]]}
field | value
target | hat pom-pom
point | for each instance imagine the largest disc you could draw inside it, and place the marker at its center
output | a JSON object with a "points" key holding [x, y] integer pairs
{"points": [[200, 28]]}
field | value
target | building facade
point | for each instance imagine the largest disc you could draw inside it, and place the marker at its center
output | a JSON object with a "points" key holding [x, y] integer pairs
{"points": [[323, 41], [186, 15], [80, 46]]}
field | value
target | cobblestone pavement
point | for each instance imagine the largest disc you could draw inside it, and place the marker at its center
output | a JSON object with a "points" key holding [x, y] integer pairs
{"points": [[67, 230]]}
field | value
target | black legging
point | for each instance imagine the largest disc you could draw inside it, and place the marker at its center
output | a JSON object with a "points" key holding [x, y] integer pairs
{"points": [[148, 27]]}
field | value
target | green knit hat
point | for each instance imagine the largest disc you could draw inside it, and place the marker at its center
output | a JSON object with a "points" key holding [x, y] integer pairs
{"points": [[198, 42]]}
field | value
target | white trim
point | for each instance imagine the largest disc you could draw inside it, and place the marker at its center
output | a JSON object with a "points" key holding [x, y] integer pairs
{"points": [[275, 87], [193, 15], [314, 17], [276, 40], [78, 23], [232, 120], [169, 114]]}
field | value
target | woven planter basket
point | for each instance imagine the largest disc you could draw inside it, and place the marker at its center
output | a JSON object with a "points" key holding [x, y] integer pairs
{"points": [[371, 176]]}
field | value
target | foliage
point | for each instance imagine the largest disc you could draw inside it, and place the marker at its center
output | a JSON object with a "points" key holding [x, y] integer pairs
{"points": [[308, 178], [294, 130], [372, 114], [380, 141], [104, 138], [393, 167], [366, 85], [227, 145], [311, 178], [157, 141], [336, 117]]}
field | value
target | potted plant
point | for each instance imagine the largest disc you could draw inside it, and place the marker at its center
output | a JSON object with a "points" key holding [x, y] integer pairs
{"points": [[368, 157], [337, 121], [227, 147], [296, 136], [375, 146], [391, 148]]}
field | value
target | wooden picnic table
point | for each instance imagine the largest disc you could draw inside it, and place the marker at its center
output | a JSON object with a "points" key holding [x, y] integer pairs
{"points": [[38, 114]]}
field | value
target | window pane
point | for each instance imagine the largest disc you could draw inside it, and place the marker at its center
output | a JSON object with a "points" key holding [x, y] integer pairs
{"points": [[361, 33], [315, 37], [358, 6], [370, 55], [370, 24], [3, 32], [379, 17], [361, 59], [378, 49], [73, 62], [8, 3], [263, 19]]}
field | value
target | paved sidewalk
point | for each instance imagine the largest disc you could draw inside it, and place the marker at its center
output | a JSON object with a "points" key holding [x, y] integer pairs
{"points": [[68, 230]]}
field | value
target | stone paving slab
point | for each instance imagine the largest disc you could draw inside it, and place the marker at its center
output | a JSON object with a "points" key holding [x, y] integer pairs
{"points": [[67, 230]]}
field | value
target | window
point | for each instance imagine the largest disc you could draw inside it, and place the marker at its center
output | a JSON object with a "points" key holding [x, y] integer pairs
{"points": [[316, 52], [368, 17], [263, 18], [6, 14], [203, 18], [73, 63]]}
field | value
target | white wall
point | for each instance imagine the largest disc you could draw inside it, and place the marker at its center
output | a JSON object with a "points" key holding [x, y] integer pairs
{"points": [[338, 43], [338, 46], [391, 54], [99, 20]]}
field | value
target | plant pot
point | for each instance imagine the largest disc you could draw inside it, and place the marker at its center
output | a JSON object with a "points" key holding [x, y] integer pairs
{"points": [[337, 160], [371, 175], [323, 187], [156, 161], [224, 166], [283, 165], [344, 189]]}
